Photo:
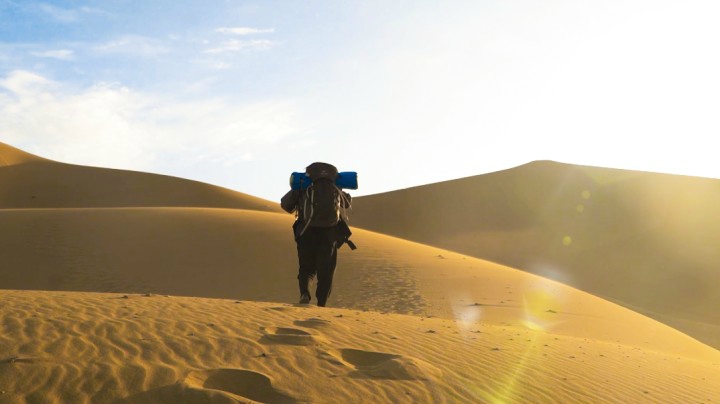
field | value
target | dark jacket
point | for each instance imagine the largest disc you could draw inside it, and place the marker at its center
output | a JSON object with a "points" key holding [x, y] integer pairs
{"points": [[290, 201], [293, 200]]}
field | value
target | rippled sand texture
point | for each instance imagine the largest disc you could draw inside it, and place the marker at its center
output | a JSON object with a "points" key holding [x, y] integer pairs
{"points": [[90, 347]]}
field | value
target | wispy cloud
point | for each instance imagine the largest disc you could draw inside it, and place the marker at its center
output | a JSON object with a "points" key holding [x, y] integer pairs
{"points": [[244, 30], [240, 45], [114, 126], [22, 84], [60, 54], [133, 45]]}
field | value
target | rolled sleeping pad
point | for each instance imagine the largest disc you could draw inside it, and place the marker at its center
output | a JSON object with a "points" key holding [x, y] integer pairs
{"points": [[344, 180], [347, 180], [299, 181]]}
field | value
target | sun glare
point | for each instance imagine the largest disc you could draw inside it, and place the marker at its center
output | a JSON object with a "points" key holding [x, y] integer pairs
{"points": [[540, 308]]}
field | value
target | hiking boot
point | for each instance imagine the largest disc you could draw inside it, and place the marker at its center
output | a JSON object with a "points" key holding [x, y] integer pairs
{"points": [[305, 299]]}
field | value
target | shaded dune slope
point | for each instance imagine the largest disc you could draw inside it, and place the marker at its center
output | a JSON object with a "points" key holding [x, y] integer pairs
{"points": [[28, 181], [648, 241]]}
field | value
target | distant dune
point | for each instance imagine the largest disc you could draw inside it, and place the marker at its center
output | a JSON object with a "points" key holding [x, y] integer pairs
{"points": [[645, 240], [126, 294], [28, 181]]}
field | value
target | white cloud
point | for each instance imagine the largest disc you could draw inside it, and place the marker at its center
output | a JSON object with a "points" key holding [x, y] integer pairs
{"points": [[60, 54], [132, 45], [114, 126], [244, 30], [238, 45], [24, 84]]}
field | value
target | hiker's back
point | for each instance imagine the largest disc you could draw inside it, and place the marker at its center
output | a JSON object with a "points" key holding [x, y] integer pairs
{"points": [[322, 200], [322, 203]]}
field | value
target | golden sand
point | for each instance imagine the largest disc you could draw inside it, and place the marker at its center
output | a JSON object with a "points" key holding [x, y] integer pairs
{"points": [[647, 241], [134, 298], [90, 347]]}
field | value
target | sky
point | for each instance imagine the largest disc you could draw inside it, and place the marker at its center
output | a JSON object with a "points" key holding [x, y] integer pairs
{"points": [[406, 92]]}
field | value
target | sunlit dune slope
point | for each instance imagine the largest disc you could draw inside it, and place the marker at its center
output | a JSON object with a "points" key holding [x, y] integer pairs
{"points": [[250, 255], [27, 181], [646, 240], [65, 347]]}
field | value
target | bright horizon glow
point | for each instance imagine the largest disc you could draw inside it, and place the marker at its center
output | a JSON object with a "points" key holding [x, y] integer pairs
{"points": [[406, 94]]}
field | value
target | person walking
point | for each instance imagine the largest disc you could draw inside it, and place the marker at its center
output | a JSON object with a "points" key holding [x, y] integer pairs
{"points": [[320, 228]]}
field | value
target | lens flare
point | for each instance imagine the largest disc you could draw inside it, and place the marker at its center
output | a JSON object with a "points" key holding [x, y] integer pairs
{"points": [[540, 307], [540, 310]]}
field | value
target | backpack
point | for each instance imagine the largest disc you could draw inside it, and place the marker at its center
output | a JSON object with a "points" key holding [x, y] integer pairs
{"points": [[323, 203]]}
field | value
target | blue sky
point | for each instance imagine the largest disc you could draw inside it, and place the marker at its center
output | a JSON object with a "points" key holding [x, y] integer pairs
{"points": [[241, 93]]}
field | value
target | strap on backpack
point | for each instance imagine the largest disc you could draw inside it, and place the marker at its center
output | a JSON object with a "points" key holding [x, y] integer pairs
{"points": [[309, 196], [343, 229]]}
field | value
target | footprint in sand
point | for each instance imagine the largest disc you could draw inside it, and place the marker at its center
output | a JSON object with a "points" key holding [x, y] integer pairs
{"points": [[319, 324], [313, 323], [288, 336], [388, 366], [17, 359], [280, 308], [246, 384]]}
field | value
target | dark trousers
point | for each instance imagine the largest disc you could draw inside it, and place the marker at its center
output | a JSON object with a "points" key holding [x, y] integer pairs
{"points": [[317, 254]]}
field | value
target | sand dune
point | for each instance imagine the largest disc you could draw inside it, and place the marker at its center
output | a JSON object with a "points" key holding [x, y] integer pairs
{"points": [[27, 181], [647, 241], [201, 310], [247, 255], [10, 156]]}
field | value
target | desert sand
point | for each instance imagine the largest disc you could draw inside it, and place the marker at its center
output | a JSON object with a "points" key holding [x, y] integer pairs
{"points": [[119, 286], [647, 241]]}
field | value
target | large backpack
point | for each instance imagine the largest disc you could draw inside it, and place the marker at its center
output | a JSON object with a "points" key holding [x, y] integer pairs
{"points": [[323, 203]]}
